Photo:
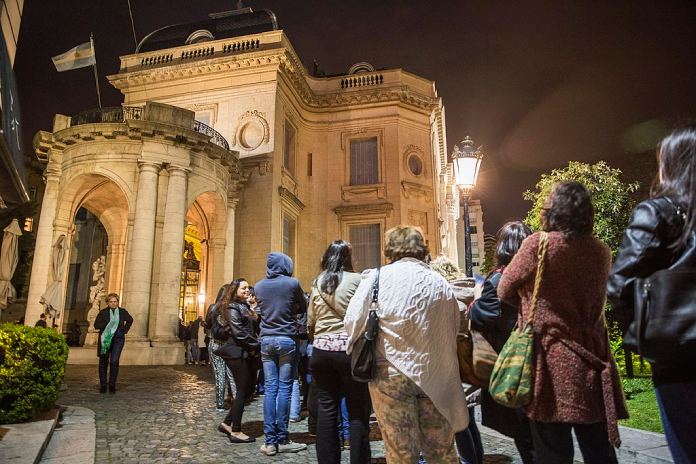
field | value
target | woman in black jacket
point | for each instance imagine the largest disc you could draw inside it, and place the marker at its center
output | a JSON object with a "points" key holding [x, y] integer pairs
{"points": [[662, 232], [113, 323], [495, 320], [241, 354]]}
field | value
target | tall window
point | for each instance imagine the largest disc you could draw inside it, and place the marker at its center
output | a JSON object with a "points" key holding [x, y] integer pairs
{"points": [[364, 168], [367, 251], [289, 148], [289, 236]]}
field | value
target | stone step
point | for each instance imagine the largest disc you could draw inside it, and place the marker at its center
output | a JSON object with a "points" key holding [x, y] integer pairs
{"points": [[73, 439], [24, 443]]}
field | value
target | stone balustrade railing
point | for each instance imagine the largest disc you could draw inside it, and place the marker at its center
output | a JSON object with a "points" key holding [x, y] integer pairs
{"points": [[361, 80]]}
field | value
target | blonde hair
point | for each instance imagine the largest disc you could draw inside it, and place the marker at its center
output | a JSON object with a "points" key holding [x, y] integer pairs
{"points": [[404, 242], [113, 295]]}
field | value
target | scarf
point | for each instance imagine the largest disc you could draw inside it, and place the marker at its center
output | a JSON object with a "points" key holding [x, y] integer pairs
{"points": [[110, 329]]}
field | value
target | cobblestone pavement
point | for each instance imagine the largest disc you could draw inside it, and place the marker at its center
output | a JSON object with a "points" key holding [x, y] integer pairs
{"points": [[166, 414]]}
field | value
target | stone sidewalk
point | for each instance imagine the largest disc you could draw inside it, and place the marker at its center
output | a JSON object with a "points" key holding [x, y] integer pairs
{"points": [[166, 414]]}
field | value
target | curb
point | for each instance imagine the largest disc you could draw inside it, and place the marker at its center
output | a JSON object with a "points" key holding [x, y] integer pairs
{"points": [[26, 442], [74, 439]]}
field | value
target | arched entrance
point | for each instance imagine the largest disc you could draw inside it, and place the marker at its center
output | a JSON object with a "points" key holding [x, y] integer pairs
{"points": [[202, 260], [97, 237]]}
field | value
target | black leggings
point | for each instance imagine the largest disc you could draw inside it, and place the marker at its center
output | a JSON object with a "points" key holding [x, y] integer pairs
{"points": [[243, 372], [331, 374]]}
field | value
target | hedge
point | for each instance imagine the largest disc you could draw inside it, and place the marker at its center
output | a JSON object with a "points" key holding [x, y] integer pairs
{"points": [[32, 364]]}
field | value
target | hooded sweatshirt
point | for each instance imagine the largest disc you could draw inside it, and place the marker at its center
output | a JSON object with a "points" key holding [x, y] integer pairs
{"points": [[280, 298]]}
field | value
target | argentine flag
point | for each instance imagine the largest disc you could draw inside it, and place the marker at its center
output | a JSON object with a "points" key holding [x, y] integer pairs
{"points": [[79, 57]]}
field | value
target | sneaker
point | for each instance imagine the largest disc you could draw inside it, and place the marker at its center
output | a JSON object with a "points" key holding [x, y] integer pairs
{"points": [[295, 419], [291, 447], [269, 449]]}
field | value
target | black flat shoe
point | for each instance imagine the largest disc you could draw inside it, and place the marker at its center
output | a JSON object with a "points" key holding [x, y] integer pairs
{"points": [[234, 439], [223, 430]]}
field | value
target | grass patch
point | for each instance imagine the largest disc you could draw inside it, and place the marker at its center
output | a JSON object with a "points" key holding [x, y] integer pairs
{"points": [[642, 405]]}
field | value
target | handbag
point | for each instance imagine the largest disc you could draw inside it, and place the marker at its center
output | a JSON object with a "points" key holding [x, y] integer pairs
{"points": [[362, 359], [484, 357], [229, 350], [476, 357], [512, 379], [663, 329]]}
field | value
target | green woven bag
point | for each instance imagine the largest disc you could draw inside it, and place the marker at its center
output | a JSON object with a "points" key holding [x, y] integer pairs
{"points": [[512, 379]]}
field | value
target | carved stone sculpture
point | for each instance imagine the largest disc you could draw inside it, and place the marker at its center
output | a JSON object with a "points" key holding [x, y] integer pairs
{"points": [[97, 294]]}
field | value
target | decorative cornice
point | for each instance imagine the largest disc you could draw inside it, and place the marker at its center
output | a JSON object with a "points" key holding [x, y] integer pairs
{"points": [[47, 145], [290, 200], [371, 208], [290, 67], [413, 189]]}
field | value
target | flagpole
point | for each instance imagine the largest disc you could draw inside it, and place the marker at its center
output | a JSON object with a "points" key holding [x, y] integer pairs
{"points": [[96, 75]]}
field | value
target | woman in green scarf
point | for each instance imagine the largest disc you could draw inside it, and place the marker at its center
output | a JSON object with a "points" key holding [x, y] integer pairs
{"points": [[113, 323]]}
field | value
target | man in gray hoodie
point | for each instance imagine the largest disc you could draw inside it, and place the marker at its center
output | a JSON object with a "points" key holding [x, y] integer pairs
{"points": [[280, 299]]}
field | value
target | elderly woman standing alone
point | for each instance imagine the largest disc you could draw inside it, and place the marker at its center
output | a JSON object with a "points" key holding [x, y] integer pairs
{"points": [[576, 382], [416, 393]]}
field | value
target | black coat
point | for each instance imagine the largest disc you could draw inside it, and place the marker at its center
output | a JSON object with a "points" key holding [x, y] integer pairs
{"points": [[495, 320], [645, 249], [240, 326], [124, 324]]}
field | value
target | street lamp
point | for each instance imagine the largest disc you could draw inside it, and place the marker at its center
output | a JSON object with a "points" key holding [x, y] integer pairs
{"points": [[467, 162]]}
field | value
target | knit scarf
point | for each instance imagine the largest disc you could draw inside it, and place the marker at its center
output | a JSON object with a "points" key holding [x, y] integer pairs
{"points": [[110, 329]]}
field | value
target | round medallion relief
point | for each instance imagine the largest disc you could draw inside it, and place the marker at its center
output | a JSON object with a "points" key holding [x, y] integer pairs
{"points": [[415, 164], [251, 134]]}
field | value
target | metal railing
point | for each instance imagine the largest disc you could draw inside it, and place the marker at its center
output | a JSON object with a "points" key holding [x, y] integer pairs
{"points": [[122, 113], [214, 135]]}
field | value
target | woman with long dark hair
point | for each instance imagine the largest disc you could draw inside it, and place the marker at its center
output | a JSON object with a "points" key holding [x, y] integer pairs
{"points": [[222, 374], [495, 320], [331, 292], [662, 232], [576, 381], [240, 351]]}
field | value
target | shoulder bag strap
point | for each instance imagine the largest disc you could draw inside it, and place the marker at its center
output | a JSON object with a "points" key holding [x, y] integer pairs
{"points": [[541, 256], [375, 291], [326, 302]]}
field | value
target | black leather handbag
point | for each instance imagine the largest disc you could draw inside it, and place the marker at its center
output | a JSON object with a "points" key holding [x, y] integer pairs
{"points": [[362, 358], [663, 329]]}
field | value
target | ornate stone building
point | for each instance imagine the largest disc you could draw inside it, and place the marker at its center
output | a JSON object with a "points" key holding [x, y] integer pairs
{"points": [[227, 146]]}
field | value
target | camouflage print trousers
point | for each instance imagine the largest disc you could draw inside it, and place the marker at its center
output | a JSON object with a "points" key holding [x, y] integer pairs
{"points": [[409, 421], [223, 375]]}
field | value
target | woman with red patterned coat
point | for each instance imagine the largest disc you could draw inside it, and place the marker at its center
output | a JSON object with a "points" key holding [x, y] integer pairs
{"points": [[576, 383]]}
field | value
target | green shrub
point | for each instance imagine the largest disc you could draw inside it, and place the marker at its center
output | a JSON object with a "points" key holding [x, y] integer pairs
{"points": [[32, 364]]}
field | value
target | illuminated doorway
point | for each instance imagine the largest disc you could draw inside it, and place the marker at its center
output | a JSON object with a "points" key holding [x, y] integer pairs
{"points": [[190, 275]]}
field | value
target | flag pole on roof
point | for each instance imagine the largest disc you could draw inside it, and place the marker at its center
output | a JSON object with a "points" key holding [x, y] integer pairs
{"points": [[79, 57], [96, 75]]}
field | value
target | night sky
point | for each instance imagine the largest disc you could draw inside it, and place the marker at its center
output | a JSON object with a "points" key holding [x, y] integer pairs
{"points": [[536, 83]]}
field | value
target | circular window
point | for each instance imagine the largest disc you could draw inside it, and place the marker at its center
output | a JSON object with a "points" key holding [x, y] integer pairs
{"points": [[415, 164]]}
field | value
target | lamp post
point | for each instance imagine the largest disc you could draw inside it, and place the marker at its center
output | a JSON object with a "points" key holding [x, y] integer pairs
{"points": [[467, 162]]}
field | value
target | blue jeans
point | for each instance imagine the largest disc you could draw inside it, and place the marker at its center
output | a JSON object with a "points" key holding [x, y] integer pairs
{"points": [[295, 400], [278, 354], [677, 402], [110, 361]]}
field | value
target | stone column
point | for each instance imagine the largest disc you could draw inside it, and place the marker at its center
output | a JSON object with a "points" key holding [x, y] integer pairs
{"points": [[216, 269], [229, 239], [41, 266], [114, 260], [167, 317], [138, 272]]}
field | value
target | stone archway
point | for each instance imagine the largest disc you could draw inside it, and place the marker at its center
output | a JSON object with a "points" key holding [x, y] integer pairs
{"points": [[100, 201], [207, 214]]}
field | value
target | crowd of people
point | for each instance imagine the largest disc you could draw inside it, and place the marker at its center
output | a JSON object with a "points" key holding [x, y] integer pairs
{"points": [[292, 345]]}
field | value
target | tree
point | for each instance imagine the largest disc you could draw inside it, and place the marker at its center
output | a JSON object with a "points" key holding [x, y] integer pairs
{"points": [[611, 196]]}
